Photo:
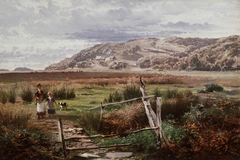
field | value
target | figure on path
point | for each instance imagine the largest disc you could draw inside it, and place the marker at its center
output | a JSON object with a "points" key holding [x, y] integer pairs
{"points": [[51, 104], [40, 96]]}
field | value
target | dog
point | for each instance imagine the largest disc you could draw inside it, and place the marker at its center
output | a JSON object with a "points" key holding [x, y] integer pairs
{"points": [[63, 105]]}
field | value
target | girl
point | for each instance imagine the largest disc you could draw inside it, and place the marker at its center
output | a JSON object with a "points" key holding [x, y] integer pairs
{"points": [[51, 104]]}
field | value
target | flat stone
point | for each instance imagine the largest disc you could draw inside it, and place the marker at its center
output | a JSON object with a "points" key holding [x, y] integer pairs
{"points": [[119, 154], [68, 130], [89, 155], [78, 129], [86, 140]]}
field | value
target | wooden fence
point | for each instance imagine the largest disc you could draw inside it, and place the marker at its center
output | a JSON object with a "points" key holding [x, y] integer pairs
{"points": [[154, 120]]}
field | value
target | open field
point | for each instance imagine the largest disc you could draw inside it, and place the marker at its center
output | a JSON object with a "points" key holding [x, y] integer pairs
{"points": [[92, 87], [186, 77]]}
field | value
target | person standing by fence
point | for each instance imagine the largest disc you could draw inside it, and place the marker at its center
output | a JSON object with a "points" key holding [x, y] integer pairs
{"points": [[40, 96], [51, 104]]}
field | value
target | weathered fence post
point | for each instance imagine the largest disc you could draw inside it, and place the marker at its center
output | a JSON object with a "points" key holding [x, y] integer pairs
{"points": [[101, 113], [61, 137], [150, 113], [159, 122], [101, 117]]}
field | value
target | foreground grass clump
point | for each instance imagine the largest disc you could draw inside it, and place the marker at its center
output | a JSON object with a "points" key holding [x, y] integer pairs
{"points": [[90, 121], [129, 117], [3, 96], [7, 95], [27, 94], [11, 116], [19, 140]]}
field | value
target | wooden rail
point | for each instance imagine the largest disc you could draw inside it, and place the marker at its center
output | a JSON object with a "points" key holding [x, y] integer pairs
{"points": [[97, 147], [126, 101]]}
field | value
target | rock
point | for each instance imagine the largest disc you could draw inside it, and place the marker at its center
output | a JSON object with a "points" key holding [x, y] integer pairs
{"points": [[119, 154], [68, 130], [89, 155], [78, 130]]}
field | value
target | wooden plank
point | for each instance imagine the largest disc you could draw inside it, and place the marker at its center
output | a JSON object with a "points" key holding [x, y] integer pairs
{"points": [[143, 129], [97, 147], [89, 137], [126, 101]]}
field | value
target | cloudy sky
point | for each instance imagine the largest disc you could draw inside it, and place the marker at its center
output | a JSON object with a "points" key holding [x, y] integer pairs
{"points": [[37, 33]]}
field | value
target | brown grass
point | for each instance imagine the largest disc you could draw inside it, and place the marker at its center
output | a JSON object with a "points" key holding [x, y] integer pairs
{"points": [[128, 118]]}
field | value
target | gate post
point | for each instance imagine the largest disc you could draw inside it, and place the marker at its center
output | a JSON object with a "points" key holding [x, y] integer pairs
{"points": [[159, 122], [61, 137]]}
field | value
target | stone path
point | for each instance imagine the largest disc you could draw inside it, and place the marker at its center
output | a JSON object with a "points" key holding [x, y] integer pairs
{"points": [[51, 124]]}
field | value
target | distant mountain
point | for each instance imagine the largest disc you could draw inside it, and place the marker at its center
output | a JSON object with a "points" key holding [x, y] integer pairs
{"points": [[22, 69], [208, 54]]}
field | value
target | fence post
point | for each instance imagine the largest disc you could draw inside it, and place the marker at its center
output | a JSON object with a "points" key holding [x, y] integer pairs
{"points": [[101, 117], [61, 137], [101, 113], [159, 122]]}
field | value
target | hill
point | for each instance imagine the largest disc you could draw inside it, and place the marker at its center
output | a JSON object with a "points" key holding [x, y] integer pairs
{"points": [[176, 53], [22, 69]]}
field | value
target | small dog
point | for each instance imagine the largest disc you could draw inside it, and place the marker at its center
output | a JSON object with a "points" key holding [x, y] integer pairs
{"points": [[63, 105]]}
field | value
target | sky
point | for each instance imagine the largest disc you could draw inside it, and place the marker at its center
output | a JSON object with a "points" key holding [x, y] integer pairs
{"points": [[37, 33]]}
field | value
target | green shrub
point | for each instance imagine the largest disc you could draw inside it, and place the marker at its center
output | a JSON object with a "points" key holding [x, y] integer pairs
{"points": [[26, 94], [175, 102], [173, 133], [145, 141], [63, 93], [70, 93], [60, 93], [192, 116], [12, 95], [157, 92], [213, 87], [8, 96], [114, 97], [3, 96], [131, 91]]}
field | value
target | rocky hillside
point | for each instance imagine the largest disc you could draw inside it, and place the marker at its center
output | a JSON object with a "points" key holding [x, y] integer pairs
{"points": [[159, 54]]}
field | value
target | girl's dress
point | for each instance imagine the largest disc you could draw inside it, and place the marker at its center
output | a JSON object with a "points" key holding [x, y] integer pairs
{"points": [[50, 105]]}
